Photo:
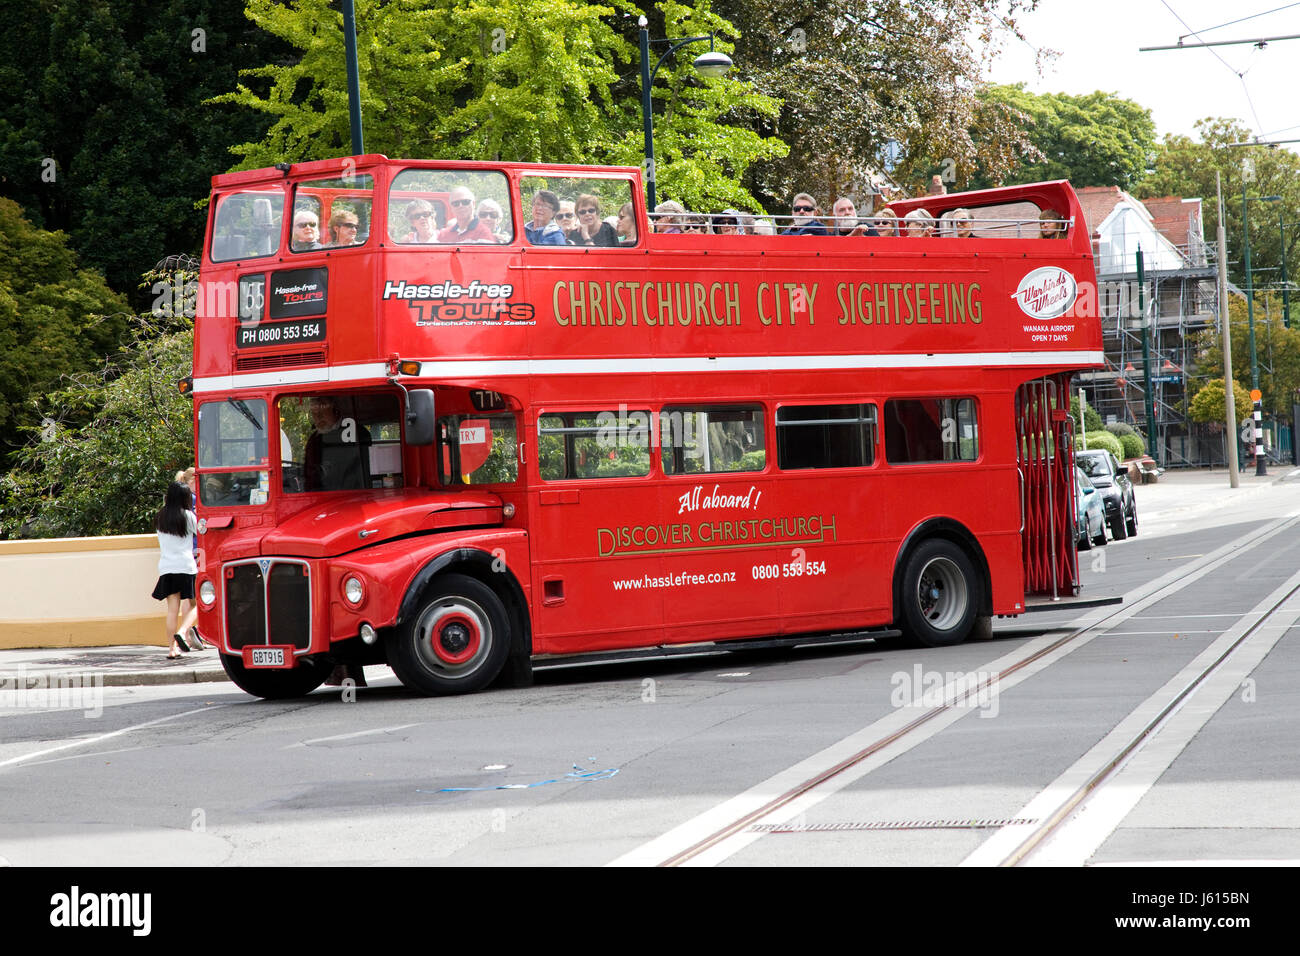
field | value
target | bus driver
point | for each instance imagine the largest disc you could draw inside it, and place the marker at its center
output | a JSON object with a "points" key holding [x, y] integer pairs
{"points": [[338, 451]]}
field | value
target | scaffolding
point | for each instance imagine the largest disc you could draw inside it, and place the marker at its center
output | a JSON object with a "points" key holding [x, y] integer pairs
{"points": [[1181, 301]]}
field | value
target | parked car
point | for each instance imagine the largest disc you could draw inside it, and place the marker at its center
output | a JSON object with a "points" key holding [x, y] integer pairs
{"points": [[1112, 480], [1090, 512]]}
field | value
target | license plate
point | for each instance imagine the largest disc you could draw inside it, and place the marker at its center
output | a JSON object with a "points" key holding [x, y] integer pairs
{"points": [[268, 657]]}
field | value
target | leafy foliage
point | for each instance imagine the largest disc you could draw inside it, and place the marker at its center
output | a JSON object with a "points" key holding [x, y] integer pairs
{"points": [[1187, 167], [1091, 419], [1209, 404], [117, 437], [55, 318], [529, 80], [853, 75], [1100, 440], [1277, 351], [105, 135], [1099, 139]]}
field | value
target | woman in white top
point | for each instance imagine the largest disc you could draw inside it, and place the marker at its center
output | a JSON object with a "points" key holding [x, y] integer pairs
{"points": [[175, 523]]}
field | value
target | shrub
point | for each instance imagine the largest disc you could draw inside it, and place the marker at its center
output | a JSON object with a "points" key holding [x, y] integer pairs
{"points": [[1133, 446], [1092, 419], [1120, 429], [1100, 440]]}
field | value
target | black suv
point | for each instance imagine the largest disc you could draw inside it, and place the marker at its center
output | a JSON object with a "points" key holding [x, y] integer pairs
{"points": [[1112, 480]]}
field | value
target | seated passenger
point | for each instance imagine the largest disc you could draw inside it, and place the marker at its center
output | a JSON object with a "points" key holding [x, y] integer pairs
{"points": [[344, 226], [960, 224], [626, 227], [1051, 225], [804, 208], [591, 231], [919, 223], [846, 222], [419, 213], [668, 217], [695, 225], [465, 226], [543, 230], [489, 213], [568, 220], [885, 222], [306, 231], [727, 223]]}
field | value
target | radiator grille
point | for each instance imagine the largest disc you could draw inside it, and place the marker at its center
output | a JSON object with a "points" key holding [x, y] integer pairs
{"points": [[268, 601]]}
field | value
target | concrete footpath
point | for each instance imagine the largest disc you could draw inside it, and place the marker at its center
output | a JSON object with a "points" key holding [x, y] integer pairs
{"points": [[1180, 501]]}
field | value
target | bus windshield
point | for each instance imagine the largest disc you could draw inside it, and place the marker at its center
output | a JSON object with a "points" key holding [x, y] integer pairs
{"points": [[340, 441]]}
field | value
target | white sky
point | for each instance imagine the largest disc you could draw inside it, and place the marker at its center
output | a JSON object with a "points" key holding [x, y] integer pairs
{"points": [[1099, 39]]}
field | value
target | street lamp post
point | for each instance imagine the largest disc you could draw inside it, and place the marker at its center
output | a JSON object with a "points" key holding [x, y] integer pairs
{"points": [[706, 64]]}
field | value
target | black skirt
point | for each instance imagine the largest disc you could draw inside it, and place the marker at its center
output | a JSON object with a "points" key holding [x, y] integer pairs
{"points": [[182, 584]]}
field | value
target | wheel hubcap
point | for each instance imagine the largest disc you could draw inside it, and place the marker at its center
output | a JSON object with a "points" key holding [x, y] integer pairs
{"points": [[941, 594], [453, 637]]}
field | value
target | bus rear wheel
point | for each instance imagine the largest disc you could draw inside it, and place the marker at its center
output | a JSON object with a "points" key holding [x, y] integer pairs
{"points": [[276, 684], [940, 594], [456, 642]]}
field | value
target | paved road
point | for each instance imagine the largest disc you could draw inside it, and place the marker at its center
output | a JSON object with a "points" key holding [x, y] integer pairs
{"points": [[631, 762]]}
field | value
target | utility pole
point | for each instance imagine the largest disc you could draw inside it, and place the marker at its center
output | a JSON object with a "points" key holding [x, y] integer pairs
{"points": [[1153, 440], [1229, 399]]}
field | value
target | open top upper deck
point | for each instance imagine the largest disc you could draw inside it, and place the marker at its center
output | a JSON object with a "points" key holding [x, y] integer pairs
{"points": [[458, 265]]}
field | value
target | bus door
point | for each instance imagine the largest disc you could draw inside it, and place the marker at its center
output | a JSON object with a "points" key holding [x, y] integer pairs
{"points": [[720, 500], [1045, 442], [599, 532]]}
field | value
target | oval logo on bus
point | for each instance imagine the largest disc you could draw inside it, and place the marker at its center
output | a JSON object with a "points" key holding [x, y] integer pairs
{"points": [[1046, 293]]}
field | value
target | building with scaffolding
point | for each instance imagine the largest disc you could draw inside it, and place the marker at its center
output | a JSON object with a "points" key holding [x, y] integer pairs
{"points": [[1180, 299]]}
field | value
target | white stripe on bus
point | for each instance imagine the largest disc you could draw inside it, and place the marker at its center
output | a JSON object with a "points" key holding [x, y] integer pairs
{"points": [[481, 370]]}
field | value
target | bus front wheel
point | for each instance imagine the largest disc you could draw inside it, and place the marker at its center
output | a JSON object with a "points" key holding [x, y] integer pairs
{"points": [[940, 594], [456, 642], [276, 684]]}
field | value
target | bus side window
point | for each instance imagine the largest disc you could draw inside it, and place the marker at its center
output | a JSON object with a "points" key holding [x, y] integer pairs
{"points": [[825, 436], [593, 445], [930, 429], [712, 440]]}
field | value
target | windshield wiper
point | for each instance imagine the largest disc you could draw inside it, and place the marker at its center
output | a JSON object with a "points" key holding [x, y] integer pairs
{"points": [[241, 406]]}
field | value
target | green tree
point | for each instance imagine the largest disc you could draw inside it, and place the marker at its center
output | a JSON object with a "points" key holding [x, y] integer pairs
{"points": [[854, 75], [1209, 404], [113, 440], [1277, 351], [528, 80], [104, 134], [1187, 167], [55, 318], [1100, 139]]}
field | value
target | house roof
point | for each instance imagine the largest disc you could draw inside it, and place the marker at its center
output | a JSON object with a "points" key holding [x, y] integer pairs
{"points": [[1097, 203], [1175, 217]]}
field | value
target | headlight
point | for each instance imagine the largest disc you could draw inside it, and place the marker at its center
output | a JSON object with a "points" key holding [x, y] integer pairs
{"points": [[207, 593], [353, 590]]}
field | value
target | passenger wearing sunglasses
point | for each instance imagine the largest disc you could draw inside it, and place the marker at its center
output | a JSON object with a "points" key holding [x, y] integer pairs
{"points": [[419, 213], [465, 226], [592, 231], [490, 214], [804, 208]]}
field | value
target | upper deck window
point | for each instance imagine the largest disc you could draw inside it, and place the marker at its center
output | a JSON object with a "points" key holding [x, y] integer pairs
{"points": [[247, 225], [331, 213], [578, 211], [449, 207]]}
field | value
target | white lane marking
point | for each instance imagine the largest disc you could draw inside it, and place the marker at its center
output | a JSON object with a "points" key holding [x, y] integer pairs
{"points": [[686, 835], [359, 733], [1200, 863], [87, 741], [1094, 820]]}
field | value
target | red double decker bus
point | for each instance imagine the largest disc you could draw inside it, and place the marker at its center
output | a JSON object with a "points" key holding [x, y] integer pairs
{"points": [[443, 434]]}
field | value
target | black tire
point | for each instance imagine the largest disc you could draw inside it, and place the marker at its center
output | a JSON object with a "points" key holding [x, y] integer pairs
{"points": [[276, 684], [1085, 541], [1101, 534], [1118, 531], [457, 640], [940, 594], [1132, 522]]}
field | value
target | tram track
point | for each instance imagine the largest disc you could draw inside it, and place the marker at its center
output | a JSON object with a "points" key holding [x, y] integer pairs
{"points": [[717, 834]]}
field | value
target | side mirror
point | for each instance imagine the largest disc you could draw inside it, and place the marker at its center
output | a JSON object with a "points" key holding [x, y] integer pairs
{"points": [[421, 423]]}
